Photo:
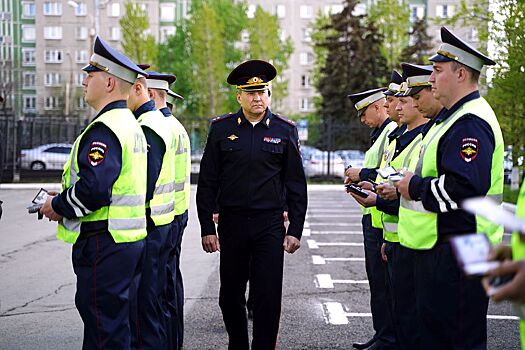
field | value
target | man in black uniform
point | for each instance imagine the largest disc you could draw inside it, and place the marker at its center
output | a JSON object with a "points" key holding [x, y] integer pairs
{"points": [[250, 161]]}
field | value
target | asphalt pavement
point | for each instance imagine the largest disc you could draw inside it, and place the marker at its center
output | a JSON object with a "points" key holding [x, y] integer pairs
{"points": [[325, 296]]}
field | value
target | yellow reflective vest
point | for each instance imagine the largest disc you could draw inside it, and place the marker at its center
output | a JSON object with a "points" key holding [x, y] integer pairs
{"points": [[126, 213], [518, 248], [182, 167]]}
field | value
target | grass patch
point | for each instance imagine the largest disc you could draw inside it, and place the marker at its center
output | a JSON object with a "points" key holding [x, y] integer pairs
{"points": [[510, 196]]}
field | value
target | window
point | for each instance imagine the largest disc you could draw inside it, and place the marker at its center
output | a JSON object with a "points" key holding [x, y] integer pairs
{"points": [[81, 33], [81, 56], [81, 103], [306, 11], [28, 33], [333, 9], [305, 81], [444, 11], [307, 32], [28, 9], [52, 8], [79, 78], [28, 57], [53, 56], [282, 35], [144, 8], [417, 13], [251, 11], [53, 102], [81, 9], [167, 12], [280, 11], [52, 79], [473, 35], [306, 58], [29, 103], [305, 104], [114, 9], [166, 32], [29, 80], [53, 33], [114, 33]]}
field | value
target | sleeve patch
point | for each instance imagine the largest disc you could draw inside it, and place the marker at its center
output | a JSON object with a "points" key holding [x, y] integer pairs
{"points": [[97, 153], [469, 149]]}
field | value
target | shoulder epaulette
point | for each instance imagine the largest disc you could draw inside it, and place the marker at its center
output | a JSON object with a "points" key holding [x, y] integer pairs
{"points": [[284, 119], [221, 117]]}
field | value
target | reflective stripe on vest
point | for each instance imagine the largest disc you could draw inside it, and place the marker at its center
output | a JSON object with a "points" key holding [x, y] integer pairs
{"points": [[374, 154], [162, 207], [126, 212], [418, 227], [182, 168]]}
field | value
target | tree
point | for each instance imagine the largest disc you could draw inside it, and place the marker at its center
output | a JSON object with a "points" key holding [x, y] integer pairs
{"points": [[392, 19], [137, 43], [353, 63], [420, 49], [265, 44]]}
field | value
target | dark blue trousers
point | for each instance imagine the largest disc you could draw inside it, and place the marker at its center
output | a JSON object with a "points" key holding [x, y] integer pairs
{"points": [[403, 290], [376, 271], [452, 309], [251, 249], [107, 277], [149, 327], [175, 286]]}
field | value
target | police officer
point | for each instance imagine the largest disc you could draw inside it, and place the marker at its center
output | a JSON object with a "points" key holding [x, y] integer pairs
{"points": [[158, 85], [461, 156], [370, 109], [160, 194], [171, 97], [391, 103], [101, 208], [251, 158]]}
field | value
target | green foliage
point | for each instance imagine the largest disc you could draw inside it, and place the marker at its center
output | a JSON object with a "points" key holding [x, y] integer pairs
{"points": [[392, 19], [420, 50], [137, 44], [353, 63], [265, 44]]}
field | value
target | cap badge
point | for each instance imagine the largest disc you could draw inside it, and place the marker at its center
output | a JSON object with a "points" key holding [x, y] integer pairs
{"points": [[233, 137]]}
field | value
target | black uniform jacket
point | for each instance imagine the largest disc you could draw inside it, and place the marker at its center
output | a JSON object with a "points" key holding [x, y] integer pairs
{"points": [[248, 168]]}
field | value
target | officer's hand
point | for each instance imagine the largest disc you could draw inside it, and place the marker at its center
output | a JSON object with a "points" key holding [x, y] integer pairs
{"points": [[291, 244], [353, 174], [383, 254], [513, 290], [285, 216], [369, 201], [216, 218], [500, 252], [402, 185], [366, 185], [210, 244], [48, 212], [387, 191]]}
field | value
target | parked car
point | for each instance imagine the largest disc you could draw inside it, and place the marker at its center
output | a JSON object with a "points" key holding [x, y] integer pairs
{"points": [[51, 156], [352, 157], [315, 162]]}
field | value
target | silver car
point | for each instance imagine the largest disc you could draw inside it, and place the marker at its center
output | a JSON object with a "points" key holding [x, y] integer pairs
{"points": [[51, 156]]}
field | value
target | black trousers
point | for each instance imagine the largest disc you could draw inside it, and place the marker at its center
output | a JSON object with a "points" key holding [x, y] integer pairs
{"points": [[376, 271], [251, 249], [452, 309], [402, 287]]}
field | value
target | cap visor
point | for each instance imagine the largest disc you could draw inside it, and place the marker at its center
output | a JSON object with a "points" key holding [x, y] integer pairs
{"points": [[414, 90], [440, 58], [388, 93], [90, 68]]}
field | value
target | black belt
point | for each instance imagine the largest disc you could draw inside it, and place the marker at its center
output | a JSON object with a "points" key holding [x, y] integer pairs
{"points": [[86, 235]]}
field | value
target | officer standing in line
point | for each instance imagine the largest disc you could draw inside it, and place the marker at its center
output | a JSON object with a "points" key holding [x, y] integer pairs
{"points": [[101, 209], [391, 103], [461, 156], [171, 97], [370, 109], [251, 158], [150, 321], [158, 85]]}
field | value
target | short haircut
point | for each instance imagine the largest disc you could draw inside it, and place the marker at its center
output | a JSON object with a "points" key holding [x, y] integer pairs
{"points": [[474, 74]]}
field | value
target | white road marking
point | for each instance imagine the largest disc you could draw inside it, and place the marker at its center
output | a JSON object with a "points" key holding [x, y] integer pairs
{"points": [[335, 232], [306, 232], [334, 224], [313, 244], [502, 317], [349, 216], [319, 260], [325, 281]]}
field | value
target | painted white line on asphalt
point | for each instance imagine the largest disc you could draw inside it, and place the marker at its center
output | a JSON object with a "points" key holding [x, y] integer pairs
{"points": [[306, 224], [338, 210], [502, 317], [335, 224], [319, 260], [336, 216], [325, 281], [334, 313], [306, 232], [313, 244], [336, 232]]}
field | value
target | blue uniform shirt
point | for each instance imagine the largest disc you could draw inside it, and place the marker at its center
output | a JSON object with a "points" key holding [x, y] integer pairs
{"points": [[463, 178], [92, 191], [248, 168]]}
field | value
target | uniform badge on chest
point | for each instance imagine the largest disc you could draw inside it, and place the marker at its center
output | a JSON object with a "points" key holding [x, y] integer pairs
{"points": [[233, 137], [274, 140]]}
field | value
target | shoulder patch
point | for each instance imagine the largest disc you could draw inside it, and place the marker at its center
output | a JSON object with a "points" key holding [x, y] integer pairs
{"points": [[284, 119], [222, 117], [469, 149], [97, 153]]}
